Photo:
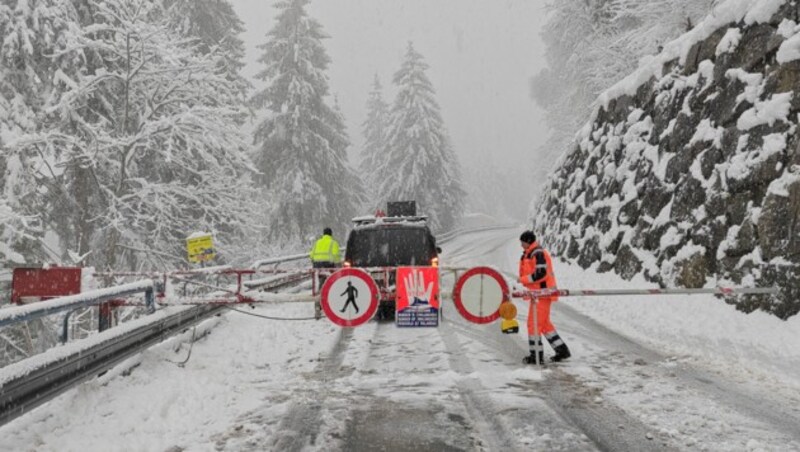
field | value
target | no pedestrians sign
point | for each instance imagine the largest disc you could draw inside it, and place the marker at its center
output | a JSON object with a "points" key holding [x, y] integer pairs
{"points": [[349, 297]]}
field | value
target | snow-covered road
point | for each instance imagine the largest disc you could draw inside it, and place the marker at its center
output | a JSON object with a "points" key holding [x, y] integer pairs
{"points": [[664, 373]]}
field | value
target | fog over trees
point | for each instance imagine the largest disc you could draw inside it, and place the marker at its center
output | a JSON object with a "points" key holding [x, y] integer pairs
{"points": [[125, 126]]}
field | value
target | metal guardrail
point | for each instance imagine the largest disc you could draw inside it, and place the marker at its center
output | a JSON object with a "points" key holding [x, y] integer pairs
{"points": [[25, 392], [278, 260], [16, 314], [283, 259]]}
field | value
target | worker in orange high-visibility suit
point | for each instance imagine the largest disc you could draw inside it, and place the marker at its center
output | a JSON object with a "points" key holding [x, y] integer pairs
{"points": [[536, 272]]}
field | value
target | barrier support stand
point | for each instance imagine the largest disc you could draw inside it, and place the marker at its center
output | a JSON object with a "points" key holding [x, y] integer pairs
{"points": [[537, 339]]}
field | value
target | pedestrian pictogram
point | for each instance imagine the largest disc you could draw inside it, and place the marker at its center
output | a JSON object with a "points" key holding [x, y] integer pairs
{"points": [[349, 297], [479, 293], [352, 294]]}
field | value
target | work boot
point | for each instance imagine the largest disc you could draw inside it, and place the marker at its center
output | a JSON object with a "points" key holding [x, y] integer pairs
{"points": [[531, 359], [562, 353]]}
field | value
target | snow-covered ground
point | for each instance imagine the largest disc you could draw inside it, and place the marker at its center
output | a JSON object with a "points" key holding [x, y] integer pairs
{"points": [[646, 374]]}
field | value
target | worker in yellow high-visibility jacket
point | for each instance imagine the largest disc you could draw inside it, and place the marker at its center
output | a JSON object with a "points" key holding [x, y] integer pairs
{"points": [[325, 253]]}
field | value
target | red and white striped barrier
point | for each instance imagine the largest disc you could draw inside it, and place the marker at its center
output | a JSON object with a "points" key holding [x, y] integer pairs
{"points": [[615, 292]]}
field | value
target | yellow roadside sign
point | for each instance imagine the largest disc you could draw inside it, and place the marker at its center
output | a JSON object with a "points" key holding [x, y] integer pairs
{"points": [[200, 248]]}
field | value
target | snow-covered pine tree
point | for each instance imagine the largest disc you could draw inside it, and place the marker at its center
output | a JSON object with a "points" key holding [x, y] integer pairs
{"points": [[420, 163], [301, 145], [144, 142], [376, 127]]}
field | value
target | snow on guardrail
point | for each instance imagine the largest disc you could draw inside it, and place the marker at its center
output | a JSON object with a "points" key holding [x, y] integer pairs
{"points": [[43, 308]]}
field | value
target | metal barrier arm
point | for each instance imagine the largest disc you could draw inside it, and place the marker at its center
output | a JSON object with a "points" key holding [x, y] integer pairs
{"points": [[602, 293], [17, 314]]}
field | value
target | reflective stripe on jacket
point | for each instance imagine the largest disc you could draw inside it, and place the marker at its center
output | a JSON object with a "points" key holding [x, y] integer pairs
{"points": [[325, 250], [536, 268]]}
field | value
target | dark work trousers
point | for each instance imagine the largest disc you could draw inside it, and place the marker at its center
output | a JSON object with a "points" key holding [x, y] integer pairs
{"points": [[322, 278], [323, 264]]}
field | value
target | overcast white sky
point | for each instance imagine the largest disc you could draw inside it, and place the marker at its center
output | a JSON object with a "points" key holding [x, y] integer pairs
{"points": [[481, 53]]}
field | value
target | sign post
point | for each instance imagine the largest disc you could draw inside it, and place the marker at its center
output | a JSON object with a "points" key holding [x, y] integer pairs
{"points": [[349, 297]]}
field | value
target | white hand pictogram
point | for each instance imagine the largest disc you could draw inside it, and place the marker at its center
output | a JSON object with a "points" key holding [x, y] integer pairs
{"points": [[415, 287]]}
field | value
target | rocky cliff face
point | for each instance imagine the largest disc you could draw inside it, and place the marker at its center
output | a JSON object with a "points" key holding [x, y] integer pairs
{"points": [[689, 172]]}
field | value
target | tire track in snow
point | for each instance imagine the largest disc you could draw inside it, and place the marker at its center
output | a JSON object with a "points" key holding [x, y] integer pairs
{"points": [[300, 425], [760, 406], [492, 432], [403, 407], [608, 426]]}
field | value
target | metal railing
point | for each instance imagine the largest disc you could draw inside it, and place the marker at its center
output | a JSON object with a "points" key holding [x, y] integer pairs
{"points": [[16, 314]]}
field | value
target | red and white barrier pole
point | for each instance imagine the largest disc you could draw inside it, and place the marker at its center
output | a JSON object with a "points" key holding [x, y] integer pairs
{"points": [[617, 292], [533, 297]]}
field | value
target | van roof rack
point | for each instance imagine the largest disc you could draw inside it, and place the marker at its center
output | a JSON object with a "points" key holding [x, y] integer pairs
{"points": [[371, 219]]}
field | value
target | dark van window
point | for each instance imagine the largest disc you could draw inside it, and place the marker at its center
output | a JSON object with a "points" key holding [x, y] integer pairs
{"points": [[389, 247]]}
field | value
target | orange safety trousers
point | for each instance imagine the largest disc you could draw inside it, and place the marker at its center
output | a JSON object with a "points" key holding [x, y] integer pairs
{"points": [[542, 316]]}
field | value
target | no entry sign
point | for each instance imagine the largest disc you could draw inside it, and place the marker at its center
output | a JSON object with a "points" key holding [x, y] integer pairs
{"points": [[349, 297], [479, 293]]}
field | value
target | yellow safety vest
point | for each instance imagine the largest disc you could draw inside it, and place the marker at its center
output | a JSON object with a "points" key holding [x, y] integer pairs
{"points": [[325, 250]]}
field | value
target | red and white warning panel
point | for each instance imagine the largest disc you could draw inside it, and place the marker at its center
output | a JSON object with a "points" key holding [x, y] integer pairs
{"points": [[417, 302], [349, 297], [479, 293]]}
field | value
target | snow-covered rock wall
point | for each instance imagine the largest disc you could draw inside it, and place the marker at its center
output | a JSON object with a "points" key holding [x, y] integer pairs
{"points": [[689, 171]]}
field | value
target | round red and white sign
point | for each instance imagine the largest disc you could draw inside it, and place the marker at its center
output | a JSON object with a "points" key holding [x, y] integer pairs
{"points": [[349, 297], [479, 293]]}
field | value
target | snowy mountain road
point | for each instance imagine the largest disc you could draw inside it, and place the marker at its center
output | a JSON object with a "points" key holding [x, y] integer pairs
{"points": [[755, 407], [642, 377]]}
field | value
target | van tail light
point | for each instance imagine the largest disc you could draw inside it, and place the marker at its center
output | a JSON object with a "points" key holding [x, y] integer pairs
{"points": [[347, 264], [435, 262]]}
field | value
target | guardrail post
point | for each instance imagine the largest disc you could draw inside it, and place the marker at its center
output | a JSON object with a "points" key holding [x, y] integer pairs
{"points": [[104, 317], [65, 329], [539, 345], [150, 300]]}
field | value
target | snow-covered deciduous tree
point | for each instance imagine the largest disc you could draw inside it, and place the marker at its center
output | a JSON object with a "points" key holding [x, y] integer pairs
{"points": [[33, 36], [420, 163], [143, 142], [301, 145], [218, 28], [592, 44], [376, 128]]}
